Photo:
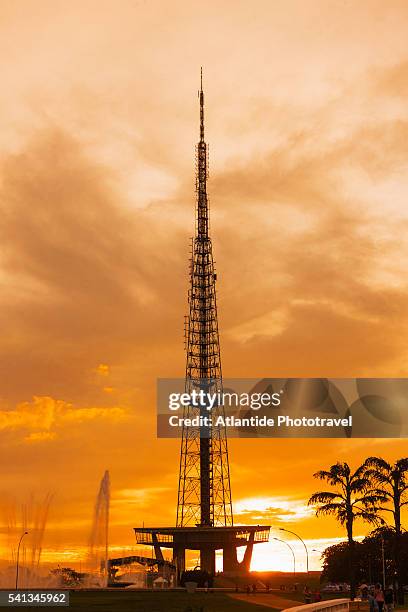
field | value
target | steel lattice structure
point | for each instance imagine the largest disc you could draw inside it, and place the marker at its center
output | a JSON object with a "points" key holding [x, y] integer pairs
{"points": [[204, 493]]}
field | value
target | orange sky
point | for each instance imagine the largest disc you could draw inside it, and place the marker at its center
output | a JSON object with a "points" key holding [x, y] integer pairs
{"points": [[307, 122]]}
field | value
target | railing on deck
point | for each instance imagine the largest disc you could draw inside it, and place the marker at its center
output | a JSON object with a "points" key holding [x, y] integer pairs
{"points": [[331, 605]]}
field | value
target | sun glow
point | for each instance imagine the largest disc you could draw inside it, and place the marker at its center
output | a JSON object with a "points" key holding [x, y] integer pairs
{"points": [[272, 508]]}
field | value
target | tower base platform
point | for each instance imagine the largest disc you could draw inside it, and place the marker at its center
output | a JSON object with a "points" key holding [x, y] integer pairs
{"points": [[207, 540]]}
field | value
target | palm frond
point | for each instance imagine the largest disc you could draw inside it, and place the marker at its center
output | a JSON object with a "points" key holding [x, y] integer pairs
{"points": [[337, 474], [322, 475], [333, 508], [323, 497], [377, 476], [380, 492], [378, 463], [402, 464], [360, 484], [369, 517], [373, 499]]}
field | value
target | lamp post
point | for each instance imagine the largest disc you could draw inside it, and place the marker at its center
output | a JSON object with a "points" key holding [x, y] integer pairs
{"points": [[299, 538], [383, 561], [370, 579], [18, 556], [293, 553]]}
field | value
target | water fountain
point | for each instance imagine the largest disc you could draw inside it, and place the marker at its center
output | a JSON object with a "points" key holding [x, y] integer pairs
{"points": [[30, 516], [98, 544]]}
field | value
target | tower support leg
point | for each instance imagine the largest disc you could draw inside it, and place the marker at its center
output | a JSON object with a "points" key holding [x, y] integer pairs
{"points": [[246, 561], [157, 549]]}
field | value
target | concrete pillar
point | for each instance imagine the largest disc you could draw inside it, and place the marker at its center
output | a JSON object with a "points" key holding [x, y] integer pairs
{"points": [[179, 560], [207, 560], [229, 558]]}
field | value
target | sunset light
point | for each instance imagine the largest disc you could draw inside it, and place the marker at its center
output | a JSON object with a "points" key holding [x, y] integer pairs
{"points": [[202, 201]]}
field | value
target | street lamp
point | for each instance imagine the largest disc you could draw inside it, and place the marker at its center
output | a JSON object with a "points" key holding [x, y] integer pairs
{"points": [[298, 536], [383, 560], [293, 553], [18, 555]]}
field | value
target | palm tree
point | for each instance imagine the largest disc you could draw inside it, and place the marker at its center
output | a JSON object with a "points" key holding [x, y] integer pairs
{"points": [[392, 480], [353, 499]]}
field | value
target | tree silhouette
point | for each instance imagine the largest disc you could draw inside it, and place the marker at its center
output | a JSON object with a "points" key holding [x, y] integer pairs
{"points": [[353, 499], [392, 481], [368, 558]]}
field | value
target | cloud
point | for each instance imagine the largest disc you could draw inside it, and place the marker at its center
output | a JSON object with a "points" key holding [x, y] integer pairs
{"points": [[102, 369], [47, 415], [314, 226], [391, 81], [84, 276], [40, 436]]}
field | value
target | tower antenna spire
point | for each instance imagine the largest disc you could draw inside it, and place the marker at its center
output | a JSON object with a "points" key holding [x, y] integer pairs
{"points": [[201, 96]]}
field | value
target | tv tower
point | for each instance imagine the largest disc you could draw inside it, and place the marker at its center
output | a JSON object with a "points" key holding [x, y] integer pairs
{"points": [[204, 510], [204, 492]]}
